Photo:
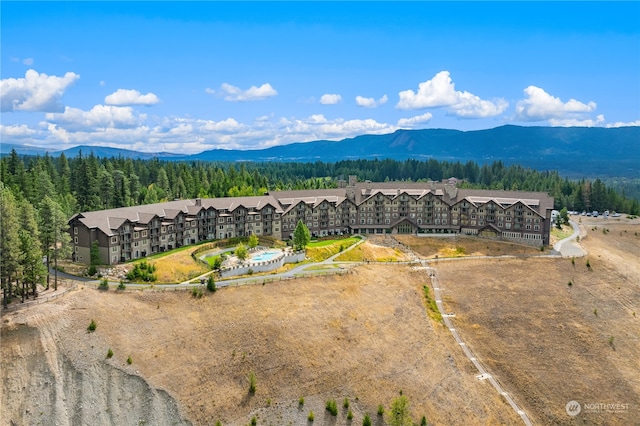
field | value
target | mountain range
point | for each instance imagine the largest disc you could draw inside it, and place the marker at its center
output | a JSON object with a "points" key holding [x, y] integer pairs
{"points": [[573, 151]]}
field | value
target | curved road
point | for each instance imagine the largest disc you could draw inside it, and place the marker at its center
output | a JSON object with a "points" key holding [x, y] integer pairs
{"points": [[569, 247]]}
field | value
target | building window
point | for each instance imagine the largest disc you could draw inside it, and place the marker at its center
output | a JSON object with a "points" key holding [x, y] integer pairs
{"points": [[136, 235], [114, 249], [144, 234], [114, 240]]}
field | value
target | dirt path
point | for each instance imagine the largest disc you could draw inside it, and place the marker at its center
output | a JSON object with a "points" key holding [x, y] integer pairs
{"points": [[550, 342]]}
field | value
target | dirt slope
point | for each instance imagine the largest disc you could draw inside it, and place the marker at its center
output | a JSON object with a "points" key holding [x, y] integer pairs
{"points": [[550, 343], [363, 336]]}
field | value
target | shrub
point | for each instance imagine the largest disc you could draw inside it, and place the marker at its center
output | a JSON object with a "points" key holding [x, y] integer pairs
{"points": [[301, 401], [366, 421], [254, 421], [423, 421], [196, 292], [310, 417], [588, 264], [211, 284], [345, 404], [252, 382], [569, 283], [92, 326], [380, 410], [129, 360], [332, 407], [142, 271], [218, 423], [104, 284], [350, 415], [92, 270], [109, 353], [121, 285], [611, 342], [573, 261], [595, 312]]}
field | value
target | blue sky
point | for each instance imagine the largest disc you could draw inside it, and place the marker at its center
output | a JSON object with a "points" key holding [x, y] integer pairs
{"points": [[191, 76]]}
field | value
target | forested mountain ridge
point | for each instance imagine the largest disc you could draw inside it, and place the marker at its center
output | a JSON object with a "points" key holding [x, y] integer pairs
{"points": [[576, 152]]}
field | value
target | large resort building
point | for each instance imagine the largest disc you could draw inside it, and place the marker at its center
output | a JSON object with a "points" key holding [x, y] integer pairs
{"points": [[354, 208]]}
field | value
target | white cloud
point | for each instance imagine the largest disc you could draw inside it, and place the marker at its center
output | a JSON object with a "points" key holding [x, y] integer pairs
{"points": [[539, 106], [34, 92], [623, 124], [575, 122], [16, 131], [120, 127], [28, 61], [330, 99], [235, 94], [99, 117], [371, 102], [415, 121], [440, 92], [130, 97], [102, 83]]}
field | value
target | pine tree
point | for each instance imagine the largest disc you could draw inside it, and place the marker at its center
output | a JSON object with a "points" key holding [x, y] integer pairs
{"points": [[33, 270], [301, 236], [10, 255], [55, 235]]}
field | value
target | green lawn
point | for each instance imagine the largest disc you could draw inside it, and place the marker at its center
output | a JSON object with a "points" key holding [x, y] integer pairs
{"points": [[346, 242]]}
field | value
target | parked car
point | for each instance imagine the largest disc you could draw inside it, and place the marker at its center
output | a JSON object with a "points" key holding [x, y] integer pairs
{"points": [[616, 215]]}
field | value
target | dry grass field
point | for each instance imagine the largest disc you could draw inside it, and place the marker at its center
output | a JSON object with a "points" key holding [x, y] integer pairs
{"points": [[460, 246], [364, 336], [549, 342]]}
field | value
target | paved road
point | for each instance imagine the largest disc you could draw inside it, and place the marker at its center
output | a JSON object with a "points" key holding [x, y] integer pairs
{"points": [[569, 247]]}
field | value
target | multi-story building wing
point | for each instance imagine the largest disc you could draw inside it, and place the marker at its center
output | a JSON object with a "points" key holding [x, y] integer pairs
{"points": [[357, 207]]}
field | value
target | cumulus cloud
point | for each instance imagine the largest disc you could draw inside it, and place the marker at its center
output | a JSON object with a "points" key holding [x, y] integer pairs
{"points": [[235, 94], [16, 131], [415, 121], [119, 127], [35, 92], [440, 92], [330, 99], [99, 117], [130, 97], [623, 124], [574, 122], [371, 102], [539, 106]]}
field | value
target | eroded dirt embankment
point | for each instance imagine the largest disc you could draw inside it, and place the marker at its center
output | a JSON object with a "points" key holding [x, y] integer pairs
{"points": [[51, 377]]}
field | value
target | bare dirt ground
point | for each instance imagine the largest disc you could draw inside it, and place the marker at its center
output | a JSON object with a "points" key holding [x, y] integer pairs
{"points": [[363, 336], [548, 342]]}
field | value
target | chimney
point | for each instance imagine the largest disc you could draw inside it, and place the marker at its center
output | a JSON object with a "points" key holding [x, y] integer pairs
{"points": [[353, 179], [198, 201]]}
